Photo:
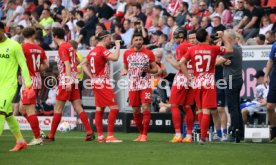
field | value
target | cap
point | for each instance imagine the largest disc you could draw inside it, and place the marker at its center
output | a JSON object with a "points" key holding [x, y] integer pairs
{"points": [[158, 32], [259, 73], [119, 14]]}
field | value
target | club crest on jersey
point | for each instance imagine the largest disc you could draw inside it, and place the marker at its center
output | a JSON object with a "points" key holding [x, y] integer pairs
{"points": [[7, 50]]}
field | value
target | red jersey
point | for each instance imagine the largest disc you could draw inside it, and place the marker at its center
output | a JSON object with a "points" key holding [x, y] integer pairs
{"points": [[99, 64], [67, 53], [203, 60], [136, 61], [34, 55], [179, 78]]}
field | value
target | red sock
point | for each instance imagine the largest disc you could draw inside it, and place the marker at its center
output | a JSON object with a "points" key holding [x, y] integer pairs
{"points": [[111, 121], [176, 118], [146, 122], [25, 116], [138, 121], [33, 120], [55, 123], [199, 118], [85, 122], [205, 122], [99, 122], [189, 119]]}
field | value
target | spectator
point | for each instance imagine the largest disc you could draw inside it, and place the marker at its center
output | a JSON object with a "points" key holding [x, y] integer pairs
{"points": [[18, 34], [57, 10], [139, 28], [18, 12], [206, 24], [240, 39], [46, 5], [155, 25], [163, 26], [149, 14], [154, 40], [67, 31], [183, 13], [203, 9], [90, 25], [259, 40], [224, 13], [45, 20], [93, 42], [81, 32], [99, 28], [194, 24], [217, 26], [239, 13], [40, 7], [250, 29], [26, 19], [30, 6], [115, 37], [68, 4], [270, 37], [39, 41], [172, 25], [137, 9], [129, 12], [47, 38], [118, 29], [104, 11], [128, 32], [259, 103], [266, 25], [158, 11]]}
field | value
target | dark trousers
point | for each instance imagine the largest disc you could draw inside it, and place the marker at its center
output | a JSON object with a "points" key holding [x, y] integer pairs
{"points": [[233, 103]]}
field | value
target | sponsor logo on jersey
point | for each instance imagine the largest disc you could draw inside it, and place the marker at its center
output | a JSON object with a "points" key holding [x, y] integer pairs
{"points": [[4, 56]]}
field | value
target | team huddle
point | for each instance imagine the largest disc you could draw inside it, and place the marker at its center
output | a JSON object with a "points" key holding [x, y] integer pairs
{"points": [[194, 82]]}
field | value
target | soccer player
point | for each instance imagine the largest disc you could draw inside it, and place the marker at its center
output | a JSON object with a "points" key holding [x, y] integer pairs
{"points": [[11, 55], [37, 62], [139, 64], [181, 93], [98, 61], [203, 58], [271, 97], [68, 86]]}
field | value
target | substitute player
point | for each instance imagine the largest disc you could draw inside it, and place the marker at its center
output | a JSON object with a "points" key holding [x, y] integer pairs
{"points": [[271, 97], [68, 85], [203, 58], [11, 55], [139, 64], [98, 61], [37, 62], [181, 92]]}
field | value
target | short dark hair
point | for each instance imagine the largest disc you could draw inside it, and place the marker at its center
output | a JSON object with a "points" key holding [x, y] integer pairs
{"points": [[116, 36], [20, 26], [137, 34], [74, 44], [91, 8], [185, 4], [102, 35], [251, 2], [101, 25], [172, 17], [58, 32], [28, 32], [2, 25], [27, 13], [80, 24], [47, 2], [192, 32], [201, 35], [138, 6], [180, 32], [261, 37], [79, 12]]}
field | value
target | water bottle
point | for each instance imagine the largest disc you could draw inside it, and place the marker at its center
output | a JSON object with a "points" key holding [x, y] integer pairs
{"points": [[211, 134], [255, 123]]}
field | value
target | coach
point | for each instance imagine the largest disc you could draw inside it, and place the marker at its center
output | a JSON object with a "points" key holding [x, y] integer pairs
{"points": [[271, 97], [232, 64]]}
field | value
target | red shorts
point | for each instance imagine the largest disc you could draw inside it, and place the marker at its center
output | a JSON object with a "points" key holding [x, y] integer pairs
{"points": [[181, 96], [104, 96], [63, 95], [205, 98], [137, 98], [27, 101]]}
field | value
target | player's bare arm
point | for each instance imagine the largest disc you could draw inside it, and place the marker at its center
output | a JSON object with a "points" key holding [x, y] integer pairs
{"points": [[183, 67], [123, 71], [153, 69], [68, 75], [115, 56], [45, 64], [268, 69]]}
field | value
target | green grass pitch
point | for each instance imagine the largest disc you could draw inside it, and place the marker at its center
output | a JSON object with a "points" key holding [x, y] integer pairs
{"points": [[69, 148]]}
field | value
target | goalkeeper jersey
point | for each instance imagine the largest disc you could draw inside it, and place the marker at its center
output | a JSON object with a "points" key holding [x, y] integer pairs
{"points": [[11, 55]]}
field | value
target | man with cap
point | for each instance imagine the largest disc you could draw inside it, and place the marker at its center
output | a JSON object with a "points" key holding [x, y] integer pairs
{"points": [[259, 103]]}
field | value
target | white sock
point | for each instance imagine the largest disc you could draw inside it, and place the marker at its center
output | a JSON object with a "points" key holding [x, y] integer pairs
{"points": [[188, 136], [100, 137], [177, 134]]}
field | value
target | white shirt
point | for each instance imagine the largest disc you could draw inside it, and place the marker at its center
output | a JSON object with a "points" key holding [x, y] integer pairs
{"points": [[263, 30], [20, 11], [127, 36], [261, 91]]}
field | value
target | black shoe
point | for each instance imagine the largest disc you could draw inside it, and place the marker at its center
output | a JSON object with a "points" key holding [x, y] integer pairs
{"points": [[89, 137]]}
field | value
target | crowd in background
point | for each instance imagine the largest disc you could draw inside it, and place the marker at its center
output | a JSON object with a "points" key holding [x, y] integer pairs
{"points": [[156, 19]]}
